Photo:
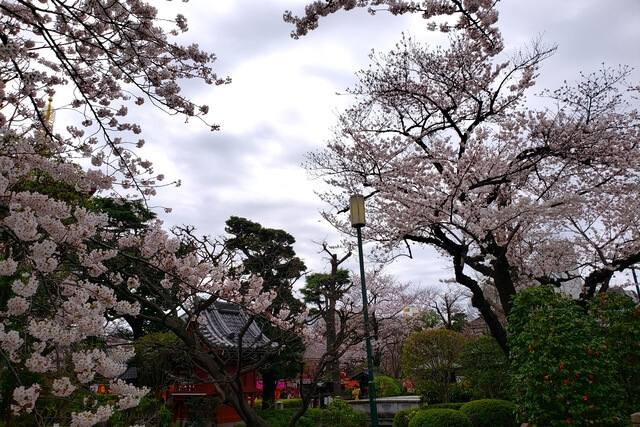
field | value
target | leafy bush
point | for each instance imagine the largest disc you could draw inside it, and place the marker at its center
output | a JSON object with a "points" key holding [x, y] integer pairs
{"points": [[428, 392], [461, 391], [618, 315], [430, 359], [338, 413], [386, 386], [290, 403], [485, 367], [564, 369], [490, 413], [404, 416], [440, 418]]}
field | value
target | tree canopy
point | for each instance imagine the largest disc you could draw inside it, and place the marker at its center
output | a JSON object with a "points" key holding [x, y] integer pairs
{"points": [[448, 154]]}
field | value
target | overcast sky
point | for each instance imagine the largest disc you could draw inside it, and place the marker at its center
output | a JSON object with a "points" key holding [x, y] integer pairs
{"points": [[285, 96]]}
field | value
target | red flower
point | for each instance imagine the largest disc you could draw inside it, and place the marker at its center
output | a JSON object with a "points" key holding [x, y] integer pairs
{"points": [[585, 398], [568, 420]]}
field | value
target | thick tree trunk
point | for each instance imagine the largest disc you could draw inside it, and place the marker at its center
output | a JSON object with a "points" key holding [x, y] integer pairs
{"points": [[235, 399], [479, 301], [334, 365], [269, 383]]}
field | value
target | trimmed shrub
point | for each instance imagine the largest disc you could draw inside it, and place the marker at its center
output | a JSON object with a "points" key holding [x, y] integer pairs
{"points": [[386, 387], [490, 413], [402, 417], [290, 403], [455, 406], [440, 418]]}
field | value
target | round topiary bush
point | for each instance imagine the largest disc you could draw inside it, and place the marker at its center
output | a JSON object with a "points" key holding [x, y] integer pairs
{"points": [[386, 387], [490, 413], [456, 405], [440, 418], [404, 416]]}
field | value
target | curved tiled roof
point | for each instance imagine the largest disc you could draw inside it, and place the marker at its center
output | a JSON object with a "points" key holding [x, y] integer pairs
{"points": [[223, 324]]}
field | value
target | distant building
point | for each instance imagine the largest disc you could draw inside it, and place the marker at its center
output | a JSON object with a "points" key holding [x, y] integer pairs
{"points": [[224, 322]]}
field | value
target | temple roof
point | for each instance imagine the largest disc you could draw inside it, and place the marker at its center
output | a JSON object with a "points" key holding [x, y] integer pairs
{"points": [[223, 324]]}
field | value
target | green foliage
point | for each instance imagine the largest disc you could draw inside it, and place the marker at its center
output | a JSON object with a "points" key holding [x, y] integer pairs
{"points": [[280, 418], [428, 320], [201, 409], [564, 369], [440, 418], [386, 386], [458, 321], [124, 214], [404, 416], [157, 354], [619, 317], [461, 391], [322, 287], [291, 403], [430, 359], [485, 366], [428, 391], [339, 413], [269, 253], [490, 413]]}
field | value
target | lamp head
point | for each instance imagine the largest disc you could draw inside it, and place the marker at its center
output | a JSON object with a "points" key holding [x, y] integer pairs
{"points": [[356, 208]]}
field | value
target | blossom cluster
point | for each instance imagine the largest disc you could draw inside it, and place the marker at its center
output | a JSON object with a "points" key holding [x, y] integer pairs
{"points": [[61, 258]]}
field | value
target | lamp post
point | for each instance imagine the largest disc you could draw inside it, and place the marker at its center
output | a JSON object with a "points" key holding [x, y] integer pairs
{"points": [[356, 208]]}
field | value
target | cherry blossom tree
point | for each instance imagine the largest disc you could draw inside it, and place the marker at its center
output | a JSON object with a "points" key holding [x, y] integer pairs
{"points": [[60, 282], [476, 18], [390, 321], [448, 154]]}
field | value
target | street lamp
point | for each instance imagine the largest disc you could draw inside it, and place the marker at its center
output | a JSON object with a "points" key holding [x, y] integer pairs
{"points": [[356, 205]]}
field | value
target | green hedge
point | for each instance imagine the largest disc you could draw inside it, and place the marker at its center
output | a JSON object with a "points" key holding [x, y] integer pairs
{"points": [[490, 413], [440, 418]]}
